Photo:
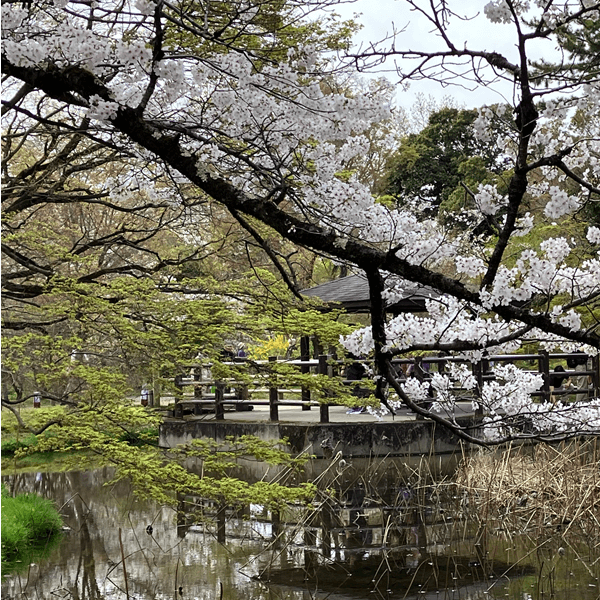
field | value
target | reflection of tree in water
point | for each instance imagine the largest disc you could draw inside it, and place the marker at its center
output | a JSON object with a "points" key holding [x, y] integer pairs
{"points": [[355, 541], [374, 534], [85, 575], [88, 563], [89, 566]]}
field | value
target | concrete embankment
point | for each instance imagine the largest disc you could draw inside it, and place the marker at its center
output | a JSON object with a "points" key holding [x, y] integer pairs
{"points": [[354, 436]]}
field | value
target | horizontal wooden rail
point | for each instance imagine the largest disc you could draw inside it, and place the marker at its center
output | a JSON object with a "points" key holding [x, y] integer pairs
{"points": [[240, 395]]}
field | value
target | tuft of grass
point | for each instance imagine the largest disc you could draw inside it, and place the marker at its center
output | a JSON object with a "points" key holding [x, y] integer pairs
{"points": [[30, 525]]}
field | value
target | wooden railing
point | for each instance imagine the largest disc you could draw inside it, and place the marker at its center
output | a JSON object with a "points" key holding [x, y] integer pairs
{"points": [[241, 396], [215, 395]]}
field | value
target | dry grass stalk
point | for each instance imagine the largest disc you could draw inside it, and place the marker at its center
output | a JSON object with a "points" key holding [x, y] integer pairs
{"points": [[531, 487]]}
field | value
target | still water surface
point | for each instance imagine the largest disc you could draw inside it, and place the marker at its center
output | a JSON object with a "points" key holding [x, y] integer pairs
{"points": [[116, 547]]}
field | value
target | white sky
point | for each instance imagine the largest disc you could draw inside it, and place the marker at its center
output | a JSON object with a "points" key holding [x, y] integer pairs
{"points": [[380, 17]]}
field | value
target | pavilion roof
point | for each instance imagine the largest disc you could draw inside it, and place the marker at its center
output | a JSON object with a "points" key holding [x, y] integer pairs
{"points": [[352, 292]]}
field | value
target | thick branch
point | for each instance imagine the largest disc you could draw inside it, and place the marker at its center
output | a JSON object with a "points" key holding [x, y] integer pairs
{"points": [[54, 82], [21, 93]]}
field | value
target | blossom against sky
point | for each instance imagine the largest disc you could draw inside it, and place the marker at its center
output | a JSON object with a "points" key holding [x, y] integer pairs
{"points": [[380, 18]]}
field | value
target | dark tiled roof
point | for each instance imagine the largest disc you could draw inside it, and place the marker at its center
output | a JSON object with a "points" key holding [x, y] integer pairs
{"points": [[353, 293], [353, 288]]}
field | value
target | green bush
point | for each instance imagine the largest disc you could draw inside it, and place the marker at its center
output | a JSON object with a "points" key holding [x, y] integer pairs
{"points": [[13, 534], [28, 522], [11, 445]]}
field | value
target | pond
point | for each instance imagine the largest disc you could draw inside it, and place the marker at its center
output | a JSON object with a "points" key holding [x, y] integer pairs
{"points": [[382, 534]]}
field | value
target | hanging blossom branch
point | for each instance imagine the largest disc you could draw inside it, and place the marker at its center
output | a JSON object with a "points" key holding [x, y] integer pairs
{"points": [[58, 82]]}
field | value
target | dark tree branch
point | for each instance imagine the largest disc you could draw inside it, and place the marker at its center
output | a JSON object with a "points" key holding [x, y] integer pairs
{"points": [[21, 93], [25, 261], [54, 81], [264, 244], [378, 319]]}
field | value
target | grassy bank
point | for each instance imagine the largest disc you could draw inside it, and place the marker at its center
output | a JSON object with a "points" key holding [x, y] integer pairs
{"points": [[30, 529], [47, 462]]}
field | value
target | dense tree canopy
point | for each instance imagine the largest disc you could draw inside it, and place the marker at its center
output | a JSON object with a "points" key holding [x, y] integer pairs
{"points": [[429, 165], [160, 112]]}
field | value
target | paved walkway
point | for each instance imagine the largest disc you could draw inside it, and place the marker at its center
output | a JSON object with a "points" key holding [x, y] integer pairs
{"points": [[337, 414]]}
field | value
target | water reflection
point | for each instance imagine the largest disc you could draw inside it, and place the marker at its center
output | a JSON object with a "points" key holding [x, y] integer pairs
{"points": [[362, 542], [88, 565]]}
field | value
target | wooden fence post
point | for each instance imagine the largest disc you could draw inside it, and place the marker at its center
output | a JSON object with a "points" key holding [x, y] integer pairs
{"points": [[596, 376], [219, 397], [441, 366], [154, 399], [480, 368], [478, 374], [544, 369], [485, 367], [178, 412], [242, 394], [273, 395], [305, 356], [198, 378], [322, 369]]}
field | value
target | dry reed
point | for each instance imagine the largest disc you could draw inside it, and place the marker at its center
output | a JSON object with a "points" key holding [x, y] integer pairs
{"points": [[530, 488]]}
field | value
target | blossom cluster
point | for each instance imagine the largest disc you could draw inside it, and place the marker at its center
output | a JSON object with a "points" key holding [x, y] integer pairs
{"points": [[593, 235], [102, 110], [448, 320], [481, 125], [498, 11], [488, 199], [71, 45], [560, 203], [146, 7]]}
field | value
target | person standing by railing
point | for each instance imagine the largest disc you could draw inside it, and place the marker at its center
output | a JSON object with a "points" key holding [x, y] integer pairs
{"points": [[559, 380], [355, 371], [579, 363]]}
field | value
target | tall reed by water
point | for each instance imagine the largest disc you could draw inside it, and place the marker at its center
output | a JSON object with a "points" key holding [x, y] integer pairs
{"points": [[537, 488]]}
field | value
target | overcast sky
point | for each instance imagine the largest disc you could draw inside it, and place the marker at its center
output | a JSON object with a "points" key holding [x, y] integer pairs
{"points": [[380, 17]]}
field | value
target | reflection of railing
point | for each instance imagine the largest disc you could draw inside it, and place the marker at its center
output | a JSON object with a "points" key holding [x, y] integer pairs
{"points": [[217, 395], [363, 525], [338, 531]]}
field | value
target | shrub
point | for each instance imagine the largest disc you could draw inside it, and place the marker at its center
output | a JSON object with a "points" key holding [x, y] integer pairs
{"points": [[27, 521], [10, 446]]}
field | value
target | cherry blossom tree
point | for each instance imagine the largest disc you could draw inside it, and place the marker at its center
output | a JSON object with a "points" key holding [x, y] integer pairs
{"points": [[208, 97]]}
